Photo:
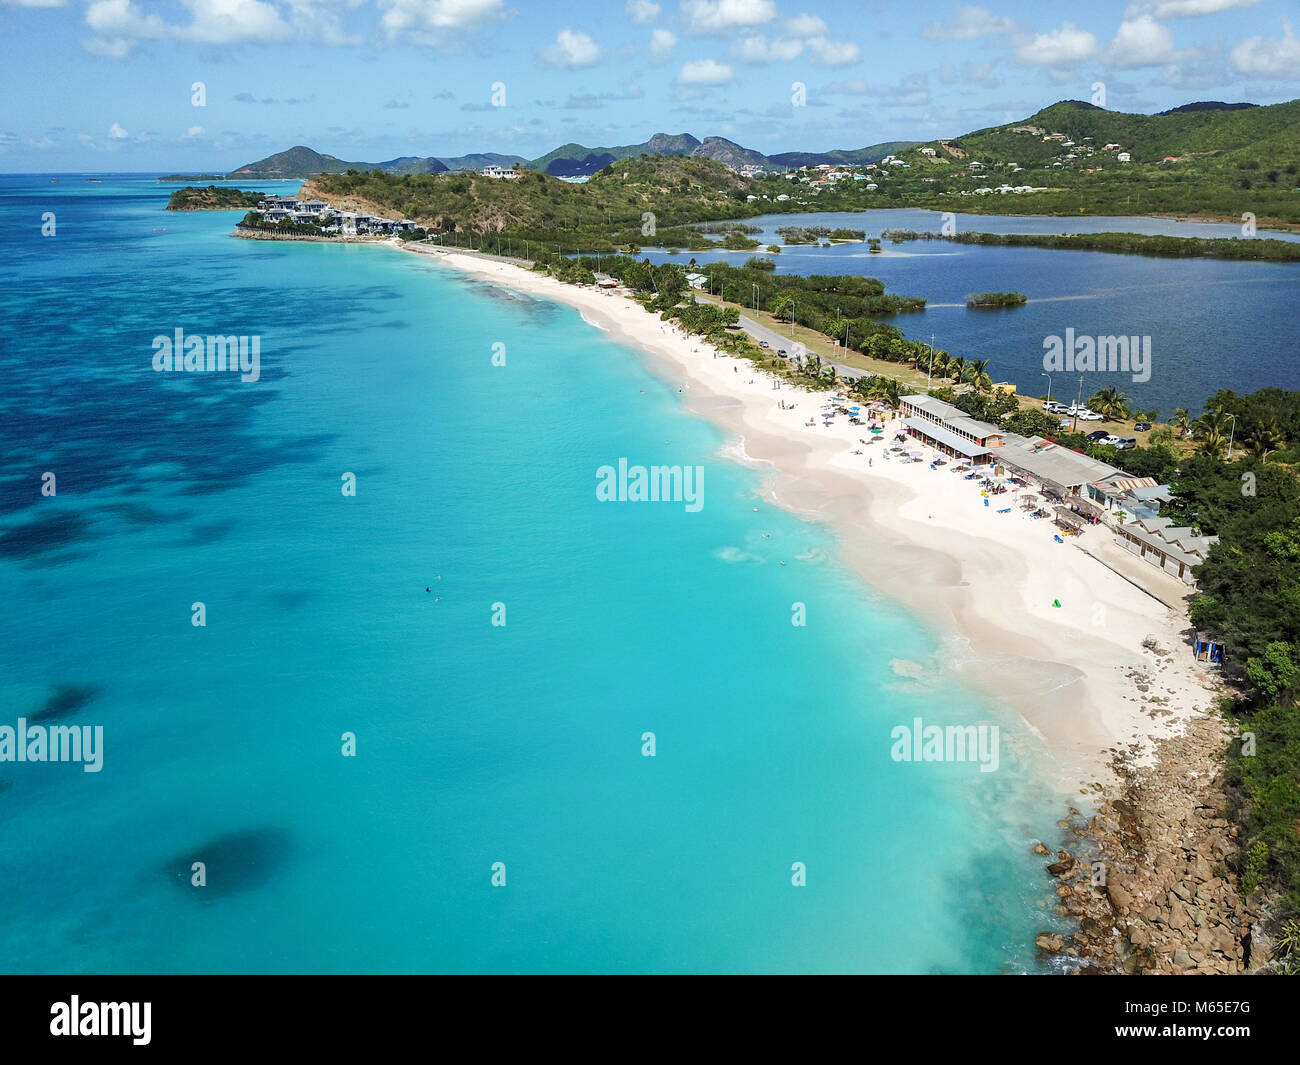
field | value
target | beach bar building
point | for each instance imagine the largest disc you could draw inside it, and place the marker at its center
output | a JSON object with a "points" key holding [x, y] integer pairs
{"points": [[1061, 472], [950, 430]]}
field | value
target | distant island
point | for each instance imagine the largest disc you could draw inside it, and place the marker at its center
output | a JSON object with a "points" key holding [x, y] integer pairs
{"points": [[996, 299], [193, 177], [213, 198]]}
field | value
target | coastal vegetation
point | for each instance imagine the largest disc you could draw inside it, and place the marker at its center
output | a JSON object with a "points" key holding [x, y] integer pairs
{"points": [[212, 198], [996, 299], [813, 234], [1253, 248]]}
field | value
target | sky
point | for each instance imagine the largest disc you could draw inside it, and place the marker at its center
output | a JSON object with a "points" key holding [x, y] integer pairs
{"points": [[189, 85]]}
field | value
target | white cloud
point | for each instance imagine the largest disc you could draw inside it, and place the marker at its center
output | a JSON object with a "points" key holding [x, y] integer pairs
{"points": [[704, 72], [426, 21], [834, 53], [1163, 9], [967, 73], [122, 19], [723, 16], [1267, 57], [642, 11], [662, 43], [806, 26], [233, 22], [1141, 42], [571, 50], [117, 133], [967, 24], [193, 131], [1063, 45], [755, 48]]}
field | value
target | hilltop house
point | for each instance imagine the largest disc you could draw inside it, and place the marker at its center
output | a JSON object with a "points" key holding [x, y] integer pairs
{"points": [[928, 151], [1124, 157], [506, 172]]}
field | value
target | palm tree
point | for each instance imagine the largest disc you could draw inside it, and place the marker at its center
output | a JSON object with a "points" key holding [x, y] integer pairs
{"points": [[1213, 443], [942, 362], [957, 369], [783, 307], [1110, 402], [979, 376], [1263, 440], [1180, 421], [1212, 423]]}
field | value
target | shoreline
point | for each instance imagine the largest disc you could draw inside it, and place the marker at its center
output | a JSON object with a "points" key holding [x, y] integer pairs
{"points": [[983, 582]]}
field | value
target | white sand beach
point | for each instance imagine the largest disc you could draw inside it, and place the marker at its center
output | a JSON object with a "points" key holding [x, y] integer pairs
{"points": [[984, 581]]}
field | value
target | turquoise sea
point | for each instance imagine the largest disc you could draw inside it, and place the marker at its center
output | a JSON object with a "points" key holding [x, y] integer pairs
{"points": [[475, 743]]}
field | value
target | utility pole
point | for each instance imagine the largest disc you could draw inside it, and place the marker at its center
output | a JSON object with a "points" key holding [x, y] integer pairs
{"points": [[1231, 435], [1044, 373], [1074, 421]]}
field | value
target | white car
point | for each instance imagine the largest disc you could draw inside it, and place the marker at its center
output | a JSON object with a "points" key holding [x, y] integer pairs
{"points": [[1110, 440], [1088, 416]]}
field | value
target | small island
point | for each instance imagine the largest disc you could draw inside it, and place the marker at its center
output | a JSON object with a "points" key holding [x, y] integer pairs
{"points": [[995, 299], [213, 198], [813, 234]]}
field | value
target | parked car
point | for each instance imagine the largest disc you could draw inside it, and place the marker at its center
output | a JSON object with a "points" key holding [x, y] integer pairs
{"points": [[781, 352], [1052, 407], [1097, 436], [1109, 439], [764, 344], [1126, 443], [1087, 415], [1141, 427]]}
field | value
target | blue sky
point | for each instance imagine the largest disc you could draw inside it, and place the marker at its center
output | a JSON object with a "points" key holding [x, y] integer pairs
{"points": [[106, 85]]}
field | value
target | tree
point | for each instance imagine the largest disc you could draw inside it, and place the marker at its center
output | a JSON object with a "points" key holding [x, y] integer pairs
{"points": [[783, 307], [1181, 421], [1263, 440], [1110, 402], [957, 369], [1213, 443], [979, 376], [1275, 674], [836, 328]]}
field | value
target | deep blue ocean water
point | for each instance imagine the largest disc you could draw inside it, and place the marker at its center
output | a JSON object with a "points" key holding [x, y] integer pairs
{"points": [[1212, 323], [475, 743]]}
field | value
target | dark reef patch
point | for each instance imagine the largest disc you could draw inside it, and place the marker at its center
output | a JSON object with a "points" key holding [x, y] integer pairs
{"points": [[233, 862]]}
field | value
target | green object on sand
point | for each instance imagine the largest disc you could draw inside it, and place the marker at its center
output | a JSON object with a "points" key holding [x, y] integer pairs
{"points": [[1056, 602]]}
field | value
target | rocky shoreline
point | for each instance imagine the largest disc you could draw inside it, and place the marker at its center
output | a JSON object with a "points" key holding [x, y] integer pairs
{"points": [[1148, 876]]}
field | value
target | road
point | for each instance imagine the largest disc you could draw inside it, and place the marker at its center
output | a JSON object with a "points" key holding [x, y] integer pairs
{"points": [[777, 341]]}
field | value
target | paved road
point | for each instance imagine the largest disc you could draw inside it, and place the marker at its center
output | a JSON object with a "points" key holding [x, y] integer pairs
{"points": [[777, 341]]}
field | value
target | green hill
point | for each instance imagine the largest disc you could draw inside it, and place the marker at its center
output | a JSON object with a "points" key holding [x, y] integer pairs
{"points": [[298, 162], [611, 206]]}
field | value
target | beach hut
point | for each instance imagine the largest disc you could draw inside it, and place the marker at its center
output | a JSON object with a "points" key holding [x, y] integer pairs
{"points": [[1208, 648]]}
